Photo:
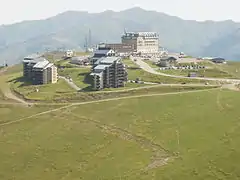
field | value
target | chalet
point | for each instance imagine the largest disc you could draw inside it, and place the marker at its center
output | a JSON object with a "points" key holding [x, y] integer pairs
{"points": [[167, 61]]}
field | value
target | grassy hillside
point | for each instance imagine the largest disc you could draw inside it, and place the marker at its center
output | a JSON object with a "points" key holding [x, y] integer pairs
{"points": [[80, 76], [46, 92], [184, 137]]}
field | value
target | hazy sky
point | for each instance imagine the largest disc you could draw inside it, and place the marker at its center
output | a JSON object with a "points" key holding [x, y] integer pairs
{"points": [[17, 10]]}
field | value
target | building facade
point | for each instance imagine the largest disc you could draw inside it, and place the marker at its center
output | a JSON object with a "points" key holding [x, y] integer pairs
{"points": [[38, 70], [143, 42], [109, 72], [121, 48]]}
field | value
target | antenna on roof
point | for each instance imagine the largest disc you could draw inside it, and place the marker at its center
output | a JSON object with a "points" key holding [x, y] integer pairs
{"points": [[125, 31]]}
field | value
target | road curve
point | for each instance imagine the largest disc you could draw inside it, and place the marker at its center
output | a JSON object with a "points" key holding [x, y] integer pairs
{"points": [[149, 69]]}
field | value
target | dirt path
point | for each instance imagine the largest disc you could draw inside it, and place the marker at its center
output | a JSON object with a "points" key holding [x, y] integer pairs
{"points": [[160, 154], [71, 83], [7, 92], [103, 100]]}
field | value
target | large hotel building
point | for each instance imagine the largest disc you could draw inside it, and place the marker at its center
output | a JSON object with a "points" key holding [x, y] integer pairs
{"points": [[143, 42]]}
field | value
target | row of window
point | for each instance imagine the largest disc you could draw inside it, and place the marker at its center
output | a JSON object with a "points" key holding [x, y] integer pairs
{"points": [[147, 44]]}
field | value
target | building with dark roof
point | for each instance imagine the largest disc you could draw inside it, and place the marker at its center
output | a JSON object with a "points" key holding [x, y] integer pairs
{"points": [[218, 60], [102, 51], [109, 72], [167, 61], [38, 70]]}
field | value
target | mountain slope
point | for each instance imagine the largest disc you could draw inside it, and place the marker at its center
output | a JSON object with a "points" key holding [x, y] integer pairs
{"points": [[227, 46], [67, 30]]}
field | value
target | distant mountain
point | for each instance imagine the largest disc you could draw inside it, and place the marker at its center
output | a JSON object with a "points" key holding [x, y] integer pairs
{"points": [[68, 30]]}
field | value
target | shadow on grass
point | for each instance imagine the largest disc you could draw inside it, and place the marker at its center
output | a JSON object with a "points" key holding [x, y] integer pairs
{"points": [[22, 80], [87, 80]]}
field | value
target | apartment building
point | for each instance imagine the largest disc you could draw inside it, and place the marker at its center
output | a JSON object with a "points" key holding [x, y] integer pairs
{"points": [[143, 42], [102, 51], [38, 70], [109, 72]]}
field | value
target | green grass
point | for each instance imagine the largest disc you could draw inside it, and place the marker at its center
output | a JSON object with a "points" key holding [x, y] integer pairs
{"points": [[100, 95], [82, 53], [10, 113], [46, 92], [129, 63], [215, 73], [62, 92], [80, 76], [120, 139], [127, 86], [229, 70], [65, 63], [151, 64], [149, 77], [62, 62], [231, 67], [14, 69]]}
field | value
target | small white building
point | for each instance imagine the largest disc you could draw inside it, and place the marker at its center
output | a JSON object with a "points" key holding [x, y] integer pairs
{"points": [[69, 53], [80, 60]]}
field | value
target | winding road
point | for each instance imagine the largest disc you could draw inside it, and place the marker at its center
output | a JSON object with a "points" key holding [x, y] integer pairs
{"points": [[149, 69]]}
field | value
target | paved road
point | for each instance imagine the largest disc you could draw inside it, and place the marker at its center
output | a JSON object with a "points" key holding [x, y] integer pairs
{"points": [[149, 69], [71, 83], [103, 100]]}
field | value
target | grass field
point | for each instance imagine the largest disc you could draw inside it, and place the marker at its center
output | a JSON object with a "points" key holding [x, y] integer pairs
{"points": [[215, 73], [99, 95], [148, 77], [229, 70], [80, 76], [231, 67], [10, 113], [46, 92], [129, 63], [62, 92], [198, 133], [14, 69], [134, 73]]}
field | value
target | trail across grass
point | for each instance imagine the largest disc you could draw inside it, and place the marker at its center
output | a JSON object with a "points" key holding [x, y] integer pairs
{"points": [[179, 136]]}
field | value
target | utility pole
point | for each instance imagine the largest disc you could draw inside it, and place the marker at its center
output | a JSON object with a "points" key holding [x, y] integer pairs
{"points": [[90, 38], [86, 43]]}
